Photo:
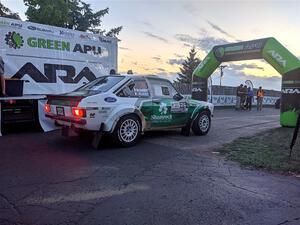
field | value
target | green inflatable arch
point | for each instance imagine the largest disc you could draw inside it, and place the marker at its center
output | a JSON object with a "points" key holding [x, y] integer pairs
{"points": [[274, 53]]}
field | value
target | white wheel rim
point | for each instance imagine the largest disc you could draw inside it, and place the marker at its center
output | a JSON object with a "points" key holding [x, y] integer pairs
{"points": [[203, 123], [129, 130]]}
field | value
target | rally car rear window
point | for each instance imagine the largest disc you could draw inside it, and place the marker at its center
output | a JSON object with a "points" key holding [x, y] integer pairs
{"points": [[101, 84]]}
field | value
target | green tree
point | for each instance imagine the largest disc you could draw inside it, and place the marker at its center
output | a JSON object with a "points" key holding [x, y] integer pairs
{"points": [[53, 13], [6, 12], [188, 66], [72, 14]]}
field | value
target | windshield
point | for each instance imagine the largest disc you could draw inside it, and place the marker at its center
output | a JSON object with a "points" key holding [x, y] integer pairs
{"points": [[101, 84]]}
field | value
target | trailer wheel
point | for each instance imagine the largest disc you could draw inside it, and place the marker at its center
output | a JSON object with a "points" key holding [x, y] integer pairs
{"points": [[127, 131], [202, 123]]}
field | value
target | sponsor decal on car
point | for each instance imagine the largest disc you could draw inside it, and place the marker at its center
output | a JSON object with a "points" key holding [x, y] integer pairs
{"points": [[179, 107], [161, 117], [110, 99], [163, 109], [163, 113], [92, 115], [104, 110]]}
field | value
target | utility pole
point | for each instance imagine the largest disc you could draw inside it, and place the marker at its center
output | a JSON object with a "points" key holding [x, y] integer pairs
{"points": [[222, 73], [210, 88]]}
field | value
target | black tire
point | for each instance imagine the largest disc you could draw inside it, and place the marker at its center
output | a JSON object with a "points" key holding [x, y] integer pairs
{"points": [[201, 124], [129, 137]]}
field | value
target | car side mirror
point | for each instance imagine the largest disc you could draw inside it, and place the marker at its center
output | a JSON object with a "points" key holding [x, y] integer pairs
{"points": [[177, 97]]}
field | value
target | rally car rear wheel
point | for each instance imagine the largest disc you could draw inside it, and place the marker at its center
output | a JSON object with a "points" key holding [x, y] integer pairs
{"points": [[128, 130], [202, 123]]}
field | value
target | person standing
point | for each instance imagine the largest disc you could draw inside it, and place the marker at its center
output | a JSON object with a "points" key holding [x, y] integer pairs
{"points": [[260, 97], [249, 99], [244, 96], [238, 97], [2, 80]]}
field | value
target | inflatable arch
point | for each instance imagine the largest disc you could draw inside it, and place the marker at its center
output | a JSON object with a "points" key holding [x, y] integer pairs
{"points": [[274, 53]]}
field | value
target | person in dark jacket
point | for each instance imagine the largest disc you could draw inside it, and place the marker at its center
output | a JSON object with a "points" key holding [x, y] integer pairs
{"points": [[238, 97], [249, 98], [2, 80], [244, 97]]}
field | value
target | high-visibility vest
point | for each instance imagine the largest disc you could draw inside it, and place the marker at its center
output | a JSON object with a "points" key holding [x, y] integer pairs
{"points": [[260, 93]]}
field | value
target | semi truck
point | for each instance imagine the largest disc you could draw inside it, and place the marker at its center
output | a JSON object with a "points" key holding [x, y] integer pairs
{"points": [[41, 60]]}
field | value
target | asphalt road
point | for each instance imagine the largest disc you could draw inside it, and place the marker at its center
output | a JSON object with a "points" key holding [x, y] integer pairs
{"points": [[166, 179]]}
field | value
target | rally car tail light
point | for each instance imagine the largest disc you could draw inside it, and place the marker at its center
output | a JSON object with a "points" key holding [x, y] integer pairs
{"points": [[78, 112], [47, 108]]}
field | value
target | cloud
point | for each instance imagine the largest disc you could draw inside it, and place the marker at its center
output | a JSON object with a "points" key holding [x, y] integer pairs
{"points": [[187, 45], [245, 66], [146, 24], [146, 68], [190, 7], [205, 43], [155, 36], [187, 39], [175, 61], [178, 55], [217, 28], [161, 69], [124, 48], [156, 58], [203, 31], [235, 78], [167, 75]]}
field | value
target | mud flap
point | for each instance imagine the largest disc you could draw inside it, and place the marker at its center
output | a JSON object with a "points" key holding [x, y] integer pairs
{"points": [[97, 137], [186, 130]]}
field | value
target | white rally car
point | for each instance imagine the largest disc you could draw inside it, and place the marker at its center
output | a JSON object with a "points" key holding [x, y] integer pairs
{"points": [[125, 106]]}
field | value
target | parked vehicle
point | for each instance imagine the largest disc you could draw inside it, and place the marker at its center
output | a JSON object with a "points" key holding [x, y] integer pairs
{"points": [[48, 60], [125, 106]]}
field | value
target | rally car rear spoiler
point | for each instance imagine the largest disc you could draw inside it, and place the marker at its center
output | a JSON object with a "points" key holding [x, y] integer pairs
{"points": [[64, 100]]}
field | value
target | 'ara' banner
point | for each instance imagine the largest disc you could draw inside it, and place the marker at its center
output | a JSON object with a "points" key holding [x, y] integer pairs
{"points": [[53, 59], [274, 53]]}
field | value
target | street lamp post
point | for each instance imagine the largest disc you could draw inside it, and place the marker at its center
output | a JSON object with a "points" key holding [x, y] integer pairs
{"points": [[222, 73]]}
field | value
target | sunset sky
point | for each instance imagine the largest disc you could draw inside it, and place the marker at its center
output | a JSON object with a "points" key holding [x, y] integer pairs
{"points": [[157, 35]]}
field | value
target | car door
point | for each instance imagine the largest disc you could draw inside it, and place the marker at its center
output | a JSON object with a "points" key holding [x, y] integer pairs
{"points": [[144, 102], [167, 109]]}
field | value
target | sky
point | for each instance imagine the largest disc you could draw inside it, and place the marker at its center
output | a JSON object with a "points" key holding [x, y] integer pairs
{"points": [[158, 34]]}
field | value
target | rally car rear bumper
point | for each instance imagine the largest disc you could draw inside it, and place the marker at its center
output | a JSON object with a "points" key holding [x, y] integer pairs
{"points": [[71, 120]]}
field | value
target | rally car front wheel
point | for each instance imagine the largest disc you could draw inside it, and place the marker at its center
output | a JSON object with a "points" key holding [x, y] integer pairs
{"points": [[127, 131], [202, 123]]}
